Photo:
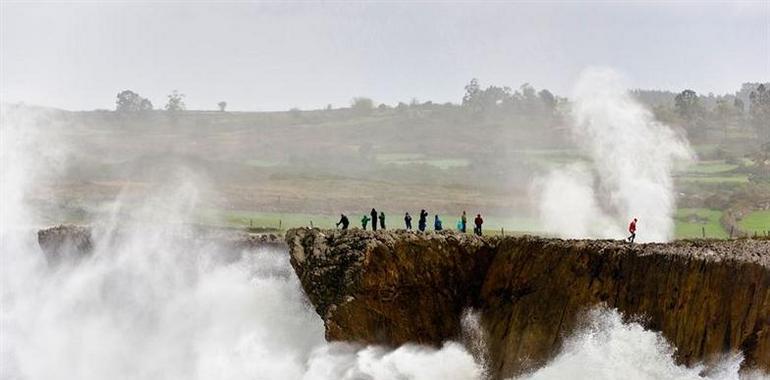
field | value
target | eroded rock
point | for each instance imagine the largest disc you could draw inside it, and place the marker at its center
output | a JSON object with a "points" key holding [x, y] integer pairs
{"points": [[393, 287], [64, 242]]}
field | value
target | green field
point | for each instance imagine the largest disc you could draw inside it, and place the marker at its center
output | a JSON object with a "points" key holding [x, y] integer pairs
{"points": [[734, 179], [756, 221], [690, 223], [282, 221], [712, 172], [711, 167], [289, 220], [421, 159]]}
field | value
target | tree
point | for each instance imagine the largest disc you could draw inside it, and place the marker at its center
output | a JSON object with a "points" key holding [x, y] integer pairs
{"points": [[222, 105], [760, 111], [362, 106], [129, 101], [687, 105], [472, 90], [549, 101], [480, 101], [175, 102], [738, 104]]}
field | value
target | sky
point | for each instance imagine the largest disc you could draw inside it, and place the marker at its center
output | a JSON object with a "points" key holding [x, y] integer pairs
{"points": [[280, 55]]}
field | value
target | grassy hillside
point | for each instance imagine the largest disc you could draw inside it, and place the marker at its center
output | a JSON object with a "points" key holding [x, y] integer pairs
{"points": [[265, 168]]}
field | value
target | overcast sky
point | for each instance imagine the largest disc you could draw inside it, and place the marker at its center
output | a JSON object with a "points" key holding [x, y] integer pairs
{"points": [[275, 56]]}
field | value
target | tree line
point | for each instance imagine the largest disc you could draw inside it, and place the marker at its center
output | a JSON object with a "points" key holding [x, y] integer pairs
{"points": [[697, 114], [130, 102]]}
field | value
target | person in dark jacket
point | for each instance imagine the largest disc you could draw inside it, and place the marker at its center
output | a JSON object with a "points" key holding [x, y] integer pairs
{"points": [[382, 220], [408, 221], [463, 222], [364, 221], [374, 219], [478, 221], [422, 223], [437, 224], [343, 221]]}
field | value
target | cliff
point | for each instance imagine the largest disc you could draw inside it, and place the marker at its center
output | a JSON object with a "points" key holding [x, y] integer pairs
{"points": [[65, 242], [393, 287], [69, 242]]}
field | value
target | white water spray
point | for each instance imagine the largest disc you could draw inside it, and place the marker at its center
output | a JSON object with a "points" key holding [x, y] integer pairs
{"points": [[155, 302], [632, 157]]}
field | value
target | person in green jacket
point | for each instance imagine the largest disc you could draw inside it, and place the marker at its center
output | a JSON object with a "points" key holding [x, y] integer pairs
{"points": [[364, 221]]}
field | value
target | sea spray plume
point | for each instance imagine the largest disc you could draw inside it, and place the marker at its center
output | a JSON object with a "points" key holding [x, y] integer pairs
{"points": [[607, 348], [631, 157], [474, 339], [341, 361], [152, 301]]}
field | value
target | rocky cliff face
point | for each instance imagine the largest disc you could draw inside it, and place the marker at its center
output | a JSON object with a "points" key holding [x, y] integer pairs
{"points": [[393, 287], [65, 242], [69, 242]]}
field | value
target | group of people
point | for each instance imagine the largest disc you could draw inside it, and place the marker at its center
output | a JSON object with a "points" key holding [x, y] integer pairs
{"points": [[437, 225], [422, 223]]}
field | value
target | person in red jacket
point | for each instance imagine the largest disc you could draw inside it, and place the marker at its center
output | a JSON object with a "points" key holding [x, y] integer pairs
{"points": [[632, 231]]}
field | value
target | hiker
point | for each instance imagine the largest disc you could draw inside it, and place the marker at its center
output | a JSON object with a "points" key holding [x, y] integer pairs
{"points": [[364, 221], [632, 231], [421, 224], [459, 225], [478, 221], [374, 219], [382, 220], [464, 222], [408, 221], [437, 224], [343, 221]]}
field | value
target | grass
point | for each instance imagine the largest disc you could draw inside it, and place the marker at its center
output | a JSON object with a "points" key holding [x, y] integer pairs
{"points": [[388, 158], [756, 221], [710, 167], [690, 223], [262, 163], [420, 159], [282, 221], [712, 172], [734, 178]]}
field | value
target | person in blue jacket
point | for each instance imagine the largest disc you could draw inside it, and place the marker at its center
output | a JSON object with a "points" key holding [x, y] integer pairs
{"points": [[437, 224]]}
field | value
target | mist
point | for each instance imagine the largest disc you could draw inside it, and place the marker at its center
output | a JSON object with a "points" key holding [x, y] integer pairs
{"points": [[166, 129], [629, 175]]}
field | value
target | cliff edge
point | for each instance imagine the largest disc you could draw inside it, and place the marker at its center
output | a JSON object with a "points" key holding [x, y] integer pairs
{"points": [[393, 287]]}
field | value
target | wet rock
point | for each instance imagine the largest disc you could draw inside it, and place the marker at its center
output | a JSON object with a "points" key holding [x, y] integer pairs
{"points": [[393, 287], [65, 242], [72, 242]]}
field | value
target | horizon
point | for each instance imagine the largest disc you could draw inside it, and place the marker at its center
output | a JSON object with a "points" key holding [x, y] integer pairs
{"points": [[159, 106]]}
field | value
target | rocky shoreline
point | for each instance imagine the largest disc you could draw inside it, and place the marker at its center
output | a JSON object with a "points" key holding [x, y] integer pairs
{"points": [[707, 297]]}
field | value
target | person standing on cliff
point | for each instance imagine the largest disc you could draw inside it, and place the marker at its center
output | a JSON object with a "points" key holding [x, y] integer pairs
{"points": [[437, 224], [478, 221], [382, 220], [374, 219], [463, 222], [422, 223], [364, 221], [632, 231], [408, 221], [343, 221]]}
